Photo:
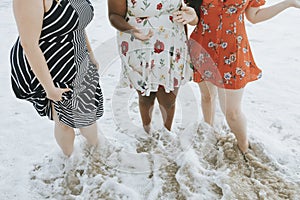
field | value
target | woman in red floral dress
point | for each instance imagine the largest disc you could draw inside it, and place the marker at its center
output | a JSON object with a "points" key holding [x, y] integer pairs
{"points": [[221, 54]]}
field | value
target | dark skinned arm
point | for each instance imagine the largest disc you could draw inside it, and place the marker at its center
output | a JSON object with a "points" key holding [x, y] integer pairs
{"points": [[117, 10]]}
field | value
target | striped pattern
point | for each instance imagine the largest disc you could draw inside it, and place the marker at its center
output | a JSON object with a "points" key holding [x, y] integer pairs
{"points": [[63, 43]]}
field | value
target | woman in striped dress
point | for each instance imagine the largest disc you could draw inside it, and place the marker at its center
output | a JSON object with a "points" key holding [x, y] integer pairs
{"points": [[53, 66]]}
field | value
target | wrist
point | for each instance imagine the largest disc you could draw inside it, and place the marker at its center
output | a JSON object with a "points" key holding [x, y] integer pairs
{"points": [[132, 30], [49, 89]]}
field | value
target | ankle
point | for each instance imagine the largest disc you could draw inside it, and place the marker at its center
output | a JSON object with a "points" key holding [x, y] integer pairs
{"points": [[147, 128], [93, 143], [243, 147], [68, 152]]}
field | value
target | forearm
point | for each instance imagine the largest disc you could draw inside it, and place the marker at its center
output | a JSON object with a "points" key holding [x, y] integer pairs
{"points": [[29, 18], [120, 23], [39, 66], [264, 14]]}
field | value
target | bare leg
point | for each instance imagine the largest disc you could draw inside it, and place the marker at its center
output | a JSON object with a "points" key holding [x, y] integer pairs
{"points": [[90, 133], [64, 135], [146, 104], [230, 102], [167, 103], [208, 101]]}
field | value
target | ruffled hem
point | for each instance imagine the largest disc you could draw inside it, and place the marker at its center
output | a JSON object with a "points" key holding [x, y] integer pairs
{"points": [[146, 81], [231, 86]]}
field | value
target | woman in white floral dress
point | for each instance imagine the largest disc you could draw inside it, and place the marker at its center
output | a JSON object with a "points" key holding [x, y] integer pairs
{"points": [[153, 51]]}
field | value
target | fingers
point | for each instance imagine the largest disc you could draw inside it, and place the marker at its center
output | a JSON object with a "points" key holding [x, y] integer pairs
{"points": [[150, 33], [180, 19], [58, 94], [185, 8], [97, 66], [184, 22], [66, 94], [177, 13], [148, 36], [66, 90], [94, 61], [138, 34], [177, 16], [185, 15]]}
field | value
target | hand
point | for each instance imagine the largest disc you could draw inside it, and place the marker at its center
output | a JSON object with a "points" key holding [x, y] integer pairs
{"points": [[186, 15], [138, 34], [55, 94], [294, 3], [93, 60]]}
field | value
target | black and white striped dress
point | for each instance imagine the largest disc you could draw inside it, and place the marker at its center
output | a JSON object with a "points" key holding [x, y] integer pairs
{"points": [[63, 43]]}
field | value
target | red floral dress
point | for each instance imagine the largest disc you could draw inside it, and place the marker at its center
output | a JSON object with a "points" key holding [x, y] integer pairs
{"points": [[160, 61], [219, 46]]}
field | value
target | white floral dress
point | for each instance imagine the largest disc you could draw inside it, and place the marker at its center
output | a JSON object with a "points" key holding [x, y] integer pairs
{"points": [[161, 61]]}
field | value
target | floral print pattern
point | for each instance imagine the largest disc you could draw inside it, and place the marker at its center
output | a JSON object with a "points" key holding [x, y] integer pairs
{"points": [[219, 47], [161, 61]]}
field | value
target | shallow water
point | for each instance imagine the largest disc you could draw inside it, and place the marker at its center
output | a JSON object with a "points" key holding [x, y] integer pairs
{"points": [[211, 168]]}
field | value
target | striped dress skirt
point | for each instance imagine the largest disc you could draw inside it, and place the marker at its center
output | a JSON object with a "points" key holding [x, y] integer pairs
{"points": [[63, 44]]}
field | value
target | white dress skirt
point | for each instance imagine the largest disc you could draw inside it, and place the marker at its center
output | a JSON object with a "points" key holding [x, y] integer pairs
{"points": [[161, 61]]}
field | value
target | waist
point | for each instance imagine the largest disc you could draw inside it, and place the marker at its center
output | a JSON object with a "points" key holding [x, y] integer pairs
{"points": [[58, 39], [165, 20], [77, 36]]}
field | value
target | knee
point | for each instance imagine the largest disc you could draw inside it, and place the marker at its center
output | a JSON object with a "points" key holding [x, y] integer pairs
{"points": [[233, 115], [146, 100], [63, 127], [168, 104], [208, 98]]}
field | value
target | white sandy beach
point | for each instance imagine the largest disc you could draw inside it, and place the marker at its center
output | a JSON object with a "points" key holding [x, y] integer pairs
{"points": [[194, 162]]}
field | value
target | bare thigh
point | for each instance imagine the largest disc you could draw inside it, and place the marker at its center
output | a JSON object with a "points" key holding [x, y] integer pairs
{"points": [[230, 100], [208, 90]]}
